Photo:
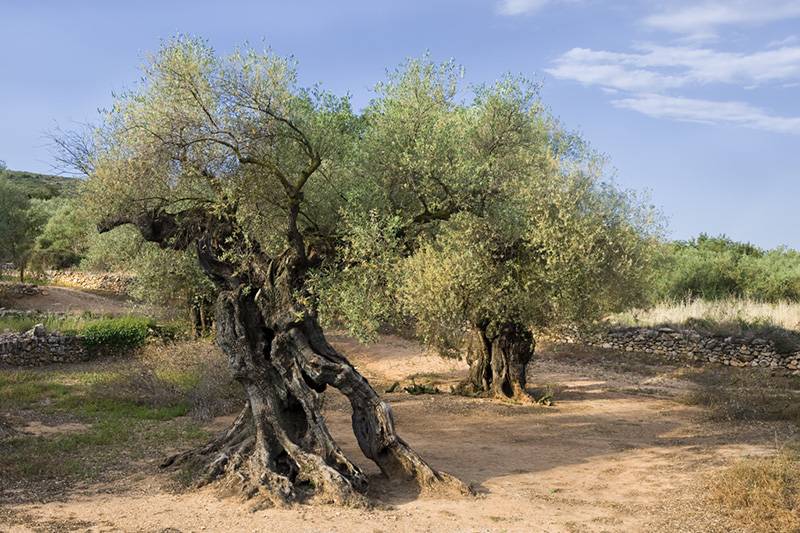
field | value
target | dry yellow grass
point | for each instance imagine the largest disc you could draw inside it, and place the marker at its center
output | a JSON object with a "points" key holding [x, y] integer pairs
{"points": [[761, 493], [785, 315]]}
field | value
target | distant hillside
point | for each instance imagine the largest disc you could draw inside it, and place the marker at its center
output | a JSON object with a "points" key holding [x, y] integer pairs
{"points": [[43, 185]]}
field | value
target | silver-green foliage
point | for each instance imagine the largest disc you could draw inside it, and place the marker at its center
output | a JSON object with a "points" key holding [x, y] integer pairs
{"points": [[453, 208], [478, 210]]}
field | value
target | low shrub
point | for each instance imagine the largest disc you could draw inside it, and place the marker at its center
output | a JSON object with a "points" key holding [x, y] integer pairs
{"points": [[124, 332]]}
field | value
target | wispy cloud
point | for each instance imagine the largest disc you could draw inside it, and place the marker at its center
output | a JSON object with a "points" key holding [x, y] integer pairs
{"points": [[656, 68], [703, 19], [526, 7], [520, 7], [786, 41], [708, 112]]}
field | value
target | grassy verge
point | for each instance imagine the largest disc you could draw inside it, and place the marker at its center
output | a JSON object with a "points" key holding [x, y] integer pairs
{"points": [[14, 278], [118, 414]]}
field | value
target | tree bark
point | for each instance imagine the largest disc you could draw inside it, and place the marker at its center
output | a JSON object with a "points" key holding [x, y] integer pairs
{"points": [[203, 326], [280, 447], [497, 364]]}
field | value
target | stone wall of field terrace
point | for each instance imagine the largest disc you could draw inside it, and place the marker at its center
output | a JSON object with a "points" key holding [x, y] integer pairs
{"points": [[38, 347], [688, 345], [10, 291], [113, 282]]}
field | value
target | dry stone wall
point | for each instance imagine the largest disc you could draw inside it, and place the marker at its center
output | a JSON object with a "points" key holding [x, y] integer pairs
{"points": [[113, 282], [38, 347], [689, 345], [18, 290]]}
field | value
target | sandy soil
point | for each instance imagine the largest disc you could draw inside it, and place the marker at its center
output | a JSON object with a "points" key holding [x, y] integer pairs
{"points": [[616, 453]]}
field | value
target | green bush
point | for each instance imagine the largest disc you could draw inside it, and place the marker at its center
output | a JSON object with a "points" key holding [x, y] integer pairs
{"points": [[714, 268], [125, 332]]}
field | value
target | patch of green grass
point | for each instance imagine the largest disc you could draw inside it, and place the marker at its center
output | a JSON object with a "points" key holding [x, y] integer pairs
{"points": [[69, 324], [118, 428], [123, 332], [24, 389], [133, 409], [111, 408]]}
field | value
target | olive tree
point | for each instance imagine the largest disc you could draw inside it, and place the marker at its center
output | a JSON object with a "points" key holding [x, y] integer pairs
{"points": [[481, 219], [230, 158]]}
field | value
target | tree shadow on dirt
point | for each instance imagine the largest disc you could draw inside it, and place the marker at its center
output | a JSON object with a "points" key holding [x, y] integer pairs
{"points": [[481, 441]]}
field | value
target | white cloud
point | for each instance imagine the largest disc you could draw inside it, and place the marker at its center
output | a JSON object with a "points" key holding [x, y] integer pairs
{"points": [[526, 7], [778, 43], [702, 19], [656, 68], [708, 112], [645, 78], [520, 7]]}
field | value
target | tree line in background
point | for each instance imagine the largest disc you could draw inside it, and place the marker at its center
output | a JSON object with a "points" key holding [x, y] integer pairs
{"points": [[44, 227], [714, 268]]}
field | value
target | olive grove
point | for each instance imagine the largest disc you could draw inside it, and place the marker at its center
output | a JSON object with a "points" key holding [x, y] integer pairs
{"points": [[472, 218]]}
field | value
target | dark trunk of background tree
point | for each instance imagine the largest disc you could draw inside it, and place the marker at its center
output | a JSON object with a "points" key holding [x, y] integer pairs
{"points": [[497, 364], [279, 446]]}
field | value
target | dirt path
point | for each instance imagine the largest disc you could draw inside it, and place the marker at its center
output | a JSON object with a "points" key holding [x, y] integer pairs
{"points": [[67, 300], [616, 453]]}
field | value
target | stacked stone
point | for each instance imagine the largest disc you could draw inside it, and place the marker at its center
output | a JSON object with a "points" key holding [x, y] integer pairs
{"points": [[38, 347], [18, 290], [113, 282], [22, 314], [689, 345]]}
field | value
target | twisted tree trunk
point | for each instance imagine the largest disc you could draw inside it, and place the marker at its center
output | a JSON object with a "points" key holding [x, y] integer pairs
{"points": [[279, 446], [497, 364]]}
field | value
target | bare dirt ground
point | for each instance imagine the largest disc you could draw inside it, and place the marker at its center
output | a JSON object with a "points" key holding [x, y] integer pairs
{"points": [[67, 300], [617, 452]]}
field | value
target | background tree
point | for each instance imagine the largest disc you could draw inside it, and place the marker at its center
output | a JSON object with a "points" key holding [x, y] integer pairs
{"points": [[228, 157], [480, 219], [715, 268], [64, 239], [20, 222]]}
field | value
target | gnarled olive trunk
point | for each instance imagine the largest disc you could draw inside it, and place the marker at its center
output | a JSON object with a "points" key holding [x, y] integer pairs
{"points": [[280, 446], [497, 364]]}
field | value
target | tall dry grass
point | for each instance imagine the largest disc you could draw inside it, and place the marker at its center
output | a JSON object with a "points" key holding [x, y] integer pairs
{"points": [[761, 493], [784, 315]]}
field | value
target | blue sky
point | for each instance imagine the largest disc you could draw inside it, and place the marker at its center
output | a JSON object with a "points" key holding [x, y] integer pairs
{"points": [[694, 101]]}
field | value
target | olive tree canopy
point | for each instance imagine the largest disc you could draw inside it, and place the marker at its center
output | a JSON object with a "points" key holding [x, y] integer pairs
{"points": [[481, 219]]}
